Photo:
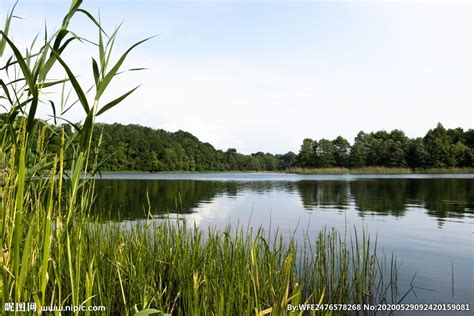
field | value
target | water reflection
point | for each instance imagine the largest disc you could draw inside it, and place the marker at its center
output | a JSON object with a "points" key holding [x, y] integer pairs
{"points": [[324, 194], [441, 198]]}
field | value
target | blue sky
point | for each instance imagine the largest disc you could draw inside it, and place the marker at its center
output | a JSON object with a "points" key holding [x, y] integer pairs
{"points": [[261, 76]]}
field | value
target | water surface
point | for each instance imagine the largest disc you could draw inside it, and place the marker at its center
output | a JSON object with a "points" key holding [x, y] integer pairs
{"points": [[425, 220]]}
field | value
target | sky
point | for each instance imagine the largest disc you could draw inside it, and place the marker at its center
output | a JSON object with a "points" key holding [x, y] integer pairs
{"points": [[264, 75]]}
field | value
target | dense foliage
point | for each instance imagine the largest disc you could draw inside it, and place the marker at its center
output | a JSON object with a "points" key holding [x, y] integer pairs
{"points": [[134, 147], [139, 148], [440, 148]]}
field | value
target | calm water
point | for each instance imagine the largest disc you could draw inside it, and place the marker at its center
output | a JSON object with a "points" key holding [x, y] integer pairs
{"points": [[426, 221]]}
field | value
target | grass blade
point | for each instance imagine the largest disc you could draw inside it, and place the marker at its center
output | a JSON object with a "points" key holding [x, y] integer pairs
{"points": [[113, 103], [77, 87], [105, 82]]}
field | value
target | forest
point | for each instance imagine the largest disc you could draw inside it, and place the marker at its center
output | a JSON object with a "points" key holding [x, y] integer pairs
{"points": [[133, 147], [439, 148], [138, 148]]}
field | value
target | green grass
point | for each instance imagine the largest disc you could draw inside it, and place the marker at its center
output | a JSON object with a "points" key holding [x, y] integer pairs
{"points": [[451, 170], [187, 271], [380, 170]]}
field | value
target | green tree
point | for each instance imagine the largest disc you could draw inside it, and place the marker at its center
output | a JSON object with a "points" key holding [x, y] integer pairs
{"points": [[438, 146], [417, 155], [287, 160], [359, 151], [306, 155], [342, 149], [324, 151], [396, 150]]}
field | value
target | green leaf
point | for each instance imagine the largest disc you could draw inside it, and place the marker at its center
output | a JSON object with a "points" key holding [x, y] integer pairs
{"points": [[75, 4], [26, 249], [91, 17], [76, 127], [7, 64], [33, 42], [104, 83], [53, 107], [10, 62], [103, 66], [19, 106], [69, 40], [53, 83], [40, 62], [21, 61], [95, 70], [52, 59], [6, 29], [5, 89], [113, 103], [110, 45], [31, 114], [77, 87], [86, 130], [131, 69], [59, 37]]}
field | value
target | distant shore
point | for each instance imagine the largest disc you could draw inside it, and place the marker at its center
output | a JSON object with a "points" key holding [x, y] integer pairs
{"points": [[364, 170], [380, 170]]}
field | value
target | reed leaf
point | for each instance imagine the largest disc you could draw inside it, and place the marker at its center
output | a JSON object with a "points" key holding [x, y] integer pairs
{"points": [[6, 29], [108, 77], [113, 103], [21, 61], [77, 87]]}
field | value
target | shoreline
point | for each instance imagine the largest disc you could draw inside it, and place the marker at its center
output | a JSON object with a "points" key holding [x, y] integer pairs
{"points": [[314, 171], [381, 170]]}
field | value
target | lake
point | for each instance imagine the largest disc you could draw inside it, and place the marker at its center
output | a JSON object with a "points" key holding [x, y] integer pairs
{"points": [[426, 221]]}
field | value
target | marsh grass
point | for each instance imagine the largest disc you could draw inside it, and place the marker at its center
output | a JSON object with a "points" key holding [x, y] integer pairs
{"points": [[235, 272], [380, 170]]}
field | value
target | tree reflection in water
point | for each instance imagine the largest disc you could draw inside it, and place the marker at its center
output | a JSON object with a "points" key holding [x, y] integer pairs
{"points": [[442, 198]]}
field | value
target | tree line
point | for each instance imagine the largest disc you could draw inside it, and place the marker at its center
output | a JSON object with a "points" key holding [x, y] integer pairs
{"points": [[135, 147], [439, 148], [138, 148]]}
